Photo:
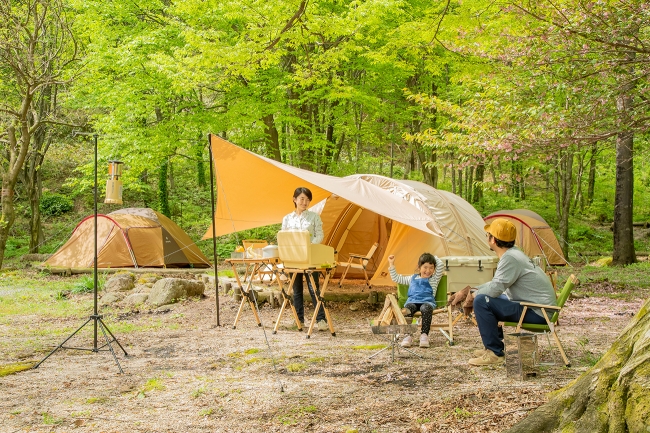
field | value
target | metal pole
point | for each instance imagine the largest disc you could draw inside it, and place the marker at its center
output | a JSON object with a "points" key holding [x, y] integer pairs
{"points": [[95, 256], [214, 229], [96, 318]]}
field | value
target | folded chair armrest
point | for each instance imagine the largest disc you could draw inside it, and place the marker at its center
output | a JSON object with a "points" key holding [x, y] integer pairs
{"points": [[529, 304]]}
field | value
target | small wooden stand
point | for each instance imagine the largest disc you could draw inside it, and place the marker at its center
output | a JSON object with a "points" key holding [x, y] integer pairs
{"points": [[391, 321]]}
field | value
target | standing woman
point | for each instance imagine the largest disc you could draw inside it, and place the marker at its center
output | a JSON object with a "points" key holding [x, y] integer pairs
{"points": [[302, 219]]}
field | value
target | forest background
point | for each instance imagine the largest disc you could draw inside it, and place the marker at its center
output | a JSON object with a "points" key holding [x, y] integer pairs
{"points": [[539, 105]]}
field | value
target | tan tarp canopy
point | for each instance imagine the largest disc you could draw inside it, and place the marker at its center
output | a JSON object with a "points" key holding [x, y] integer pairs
{"points": [[132, 237], [254, 191], [405, 218], [351, 229], [534, 236]]}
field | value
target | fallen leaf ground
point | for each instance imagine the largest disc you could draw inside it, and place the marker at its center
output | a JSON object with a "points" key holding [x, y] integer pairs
{"points": [[186, 374]]}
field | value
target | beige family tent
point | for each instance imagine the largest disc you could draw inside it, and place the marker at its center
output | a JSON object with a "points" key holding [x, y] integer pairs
{"points": [[132, 237], [406, 218], [534, 236]]}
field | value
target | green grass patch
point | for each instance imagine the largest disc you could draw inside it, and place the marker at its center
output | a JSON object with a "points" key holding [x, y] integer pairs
{"points": [[251, 351], [153, 384], [51, 419], [295, 367], [7, 369], [295, 414], [226, 273], [632, 276], [369, 347], [459, 413], [206, 412], [199, 392], [96, 400]]}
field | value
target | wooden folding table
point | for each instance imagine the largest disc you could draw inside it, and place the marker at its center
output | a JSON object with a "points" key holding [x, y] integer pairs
{"points": [[247, 292], [320, 297]]}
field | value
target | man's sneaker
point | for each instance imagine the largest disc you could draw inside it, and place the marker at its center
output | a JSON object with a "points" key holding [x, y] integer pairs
{"points": [[322, 325], [407, 341], [479, 352], [424, 340], [488, 358]]}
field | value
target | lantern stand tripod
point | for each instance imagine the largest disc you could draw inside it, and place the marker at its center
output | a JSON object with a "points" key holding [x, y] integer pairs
{"points": [[95, 318]]}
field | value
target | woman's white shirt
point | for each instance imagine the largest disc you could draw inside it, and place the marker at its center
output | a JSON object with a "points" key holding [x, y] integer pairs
{"points": [[307, 220]]}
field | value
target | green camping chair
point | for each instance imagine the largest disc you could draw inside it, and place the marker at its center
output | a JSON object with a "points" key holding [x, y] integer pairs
{"points": [[552, 323], [446, 327]]}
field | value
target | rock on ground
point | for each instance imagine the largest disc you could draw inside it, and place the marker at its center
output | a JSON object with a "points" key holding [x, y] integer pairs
{"points": [[170, 290]]}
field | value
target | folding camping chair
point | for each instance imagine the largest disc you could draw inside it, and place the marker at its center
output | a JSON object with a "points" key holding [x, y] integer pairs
{"points": [[551, 324], [446, 328], [359, 261]]}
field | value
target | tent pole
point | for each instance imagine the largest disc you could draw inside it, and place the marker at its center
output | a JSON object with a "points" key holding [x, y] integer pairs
{"points": [[214, 229]]}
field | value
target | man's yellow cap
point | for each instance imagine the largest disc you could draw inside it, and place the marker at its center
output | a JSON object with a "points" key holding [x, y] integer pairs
{"points": [[502, 229]]}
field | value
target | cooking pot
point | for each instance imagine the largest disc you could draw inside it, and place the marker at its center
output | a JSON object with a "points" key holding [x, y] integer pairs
{"points": [[270, 251]]}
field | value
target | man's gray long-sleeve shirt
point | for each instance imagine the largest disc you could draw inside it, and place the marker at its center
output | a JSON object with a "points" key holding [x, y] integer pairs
{"points": [[521, 280]]}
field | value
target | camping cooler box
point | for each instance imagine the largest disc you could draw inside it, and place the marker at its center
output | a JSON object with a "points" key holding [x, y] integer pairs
{"points": [[464, 271]]}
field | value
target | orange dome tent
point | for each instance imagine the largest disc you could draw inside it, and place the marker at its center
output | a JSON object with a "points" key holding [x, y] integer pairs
{"points": [[132, 237], [534, 236]]}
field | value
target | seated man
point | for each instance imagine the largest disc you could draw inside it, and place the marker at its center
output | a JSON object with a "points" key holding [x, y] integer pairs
{"points": [[520, 280]]}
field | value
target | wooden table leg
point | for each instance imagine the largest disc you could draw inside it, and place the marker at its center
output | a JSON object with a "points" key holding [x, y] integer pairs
{"points": [[234, 271], [287, 301], [241, 307], [330, 322], [247, 296], [321, 301]]}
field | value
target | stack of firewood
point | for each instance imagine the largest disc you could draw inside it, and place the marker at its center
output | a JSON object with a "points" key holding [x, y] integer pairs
{"points": [[391, 314]]}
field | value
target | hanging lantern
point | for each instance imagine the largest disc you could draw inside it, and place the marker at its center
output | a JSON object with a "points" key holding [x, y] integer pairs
{"points": [[114, 183]]}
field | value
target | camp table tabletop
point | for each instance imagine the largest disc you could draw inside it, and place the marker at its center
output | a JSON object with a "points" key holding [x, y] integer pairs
{"points": [[320, 296], [247, 292]]}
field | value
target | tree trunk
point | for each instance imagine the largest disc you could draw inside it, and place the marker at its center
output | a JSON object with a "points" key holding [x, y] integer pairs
{"points": [[200, 168], [470, 184], [623, 197], [477, 196], [562, 189], [272, 137], [428, 158], [613, 396], [578, 203], [163, 191], [591, 182], [452, 170]]}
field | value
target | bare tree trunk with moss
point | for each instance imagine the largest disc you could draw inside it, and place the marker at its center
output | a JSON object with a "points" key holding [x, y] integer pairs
{"points": [[613, 396]]}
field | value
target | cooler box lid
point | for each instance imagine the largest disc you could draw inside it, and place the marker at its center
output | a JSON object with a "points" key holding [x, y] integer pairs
{"points": [[473, 261]]}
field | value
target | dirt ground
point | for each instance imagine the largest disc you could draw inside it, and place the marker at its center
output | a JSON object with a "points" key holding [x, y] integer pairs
{"points": [[184, 373]]}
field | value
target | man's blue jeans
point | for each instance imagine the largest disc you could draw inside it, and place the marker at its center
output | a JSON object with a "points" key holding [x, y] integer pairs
{"points": [[490, 311], [298, 302]]}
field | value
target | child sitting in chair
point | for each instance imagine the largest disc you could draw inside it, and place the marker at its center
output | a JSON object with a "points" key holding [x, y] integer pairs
{"points": [[421, 293]]}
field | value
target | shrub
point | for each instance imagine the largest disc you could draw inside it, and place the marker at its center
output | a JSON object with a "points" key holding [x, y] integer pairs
{"points": [[55, 204]]}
